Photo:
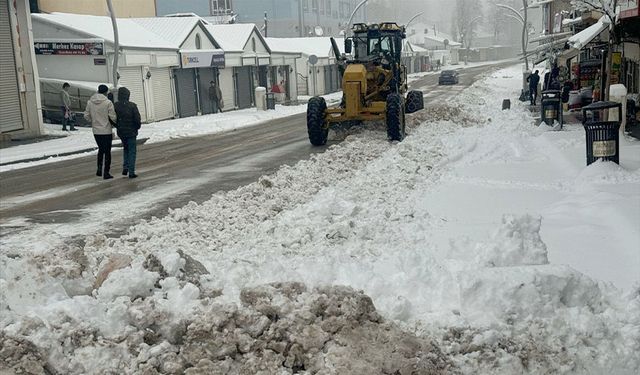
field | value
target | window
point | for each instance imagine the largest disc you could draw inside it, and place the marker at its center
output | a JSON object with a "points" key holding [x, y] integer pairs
{"points": [[253, 44], [305, 5], [198, 42], [314, 5], [221, 7], [322, 7], [328, 3]]}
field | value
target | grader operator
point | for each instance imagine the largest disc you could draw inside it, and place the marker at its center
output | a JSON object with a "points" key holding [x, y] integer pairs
{"points": [[374, 84]]}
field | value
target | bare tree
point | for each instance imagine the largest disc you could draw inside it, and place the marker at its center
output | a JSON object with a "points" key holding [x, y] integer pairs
{"points": [[466, 17], [608, 8]]}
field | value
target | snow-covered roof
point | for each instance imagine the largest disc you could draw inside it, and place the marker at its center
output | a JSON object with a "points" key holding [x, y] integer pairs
{"points": [[583, 38], [172, 29], [441, 38], [319, 46], [130, 33], [233, 37]]}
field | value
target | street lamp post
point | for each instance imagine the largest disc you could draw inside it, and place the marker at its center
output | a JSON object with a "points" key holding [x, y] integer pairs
{"points": [[412, 19], [348, 26], [116, 43], [522, 18]]}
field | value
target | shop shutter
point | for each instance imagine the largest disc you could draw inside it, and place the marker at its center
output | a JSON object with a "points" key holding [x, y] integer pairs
{"points": [[162, 93], [9, 93], [244, 86], [186, 92], [131, 78], [206, 75]]}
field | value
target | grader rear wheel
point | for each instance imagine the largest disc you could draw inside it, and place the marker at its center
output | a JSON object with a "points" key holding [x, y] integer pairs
{"points": [[316, 128], [395, 117]]}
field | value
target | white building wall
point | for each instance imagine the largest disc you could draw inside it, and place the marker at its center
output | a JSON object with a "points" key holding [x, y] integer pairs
{"points": [[77, 68], [190, 42], [227, 87]]}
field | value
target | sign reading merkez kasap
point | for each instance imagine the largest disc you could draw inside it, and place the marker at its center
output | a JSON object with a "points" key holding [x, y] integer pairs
{"points": [[69, 47], [201, 59]]}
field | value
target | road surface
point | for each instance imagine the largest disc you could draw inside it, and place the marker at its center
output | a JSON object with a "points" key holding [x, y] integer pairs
{"points": [[171, 173]]}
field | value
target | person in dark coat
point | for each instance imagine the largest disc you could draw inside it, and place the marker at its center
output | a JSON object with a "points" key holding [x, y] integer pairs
{"points": [[215, 97], [533, 80], [127, 127]]}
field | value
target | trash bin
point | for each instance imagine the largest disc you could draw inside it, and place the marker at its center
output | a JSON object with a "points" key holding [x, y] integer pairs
{"points": [[551, 107], [271, 101], [261, 103], [602, 131]]}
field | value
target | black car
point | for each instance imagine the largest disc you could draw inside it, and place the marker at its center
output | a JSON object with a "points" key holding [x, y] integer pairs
{"points": [[448, 77]]}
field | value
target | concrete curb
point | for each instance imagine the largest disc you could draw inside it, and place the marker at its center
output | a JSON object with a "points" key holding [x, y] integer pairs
{"points": [[75, 152]]}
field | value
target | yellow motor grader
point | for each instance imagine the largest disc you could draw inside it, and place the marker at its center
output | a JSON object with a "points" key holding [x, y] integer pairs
{"points": [[374, 83]]}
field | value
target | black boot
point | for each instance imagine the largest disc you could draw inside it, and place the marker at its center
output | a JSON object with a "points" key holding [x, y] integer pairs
{"points": [[107, 176], [99, 172], [125, 172]]}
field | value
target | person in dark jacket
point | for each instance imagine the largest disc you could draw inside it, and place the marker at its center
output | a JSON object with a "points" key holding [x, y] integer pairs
{"points": [[127, 127], [533, 80]]}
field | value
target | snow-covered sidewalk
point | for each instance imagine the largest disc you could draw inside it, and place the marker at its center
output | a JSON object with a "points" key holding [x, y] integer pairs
{"points": [[77, 142], [484, 243]]}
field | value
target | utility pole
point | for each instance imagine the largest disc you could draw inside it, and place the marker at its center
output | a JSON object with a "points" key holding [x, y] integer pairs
{"points": [[116, 43], [612, 38], [266, 25]]}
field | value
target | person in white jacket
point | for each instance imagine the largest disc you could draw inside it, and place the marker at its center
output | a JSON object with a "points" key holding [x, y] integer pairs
{"points": [[101, 113]]}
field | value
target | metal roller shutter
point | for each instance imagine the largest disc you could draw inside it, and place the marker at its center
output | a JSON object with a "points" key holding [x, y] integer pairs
{"points": [[206, 75], [244, 86], [9, 92], [186, 92], [162, 96], [131, 78]]}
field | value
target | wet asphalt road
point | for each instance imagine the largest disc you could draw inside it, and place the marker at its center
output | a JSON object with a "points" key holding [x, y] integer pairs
{"points": [[174, 172]]}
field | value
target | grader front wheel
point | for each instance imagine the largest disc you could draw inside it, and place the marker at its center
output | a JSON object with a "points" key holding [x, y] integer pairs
{"points": [[316, 128], [395, 117]]}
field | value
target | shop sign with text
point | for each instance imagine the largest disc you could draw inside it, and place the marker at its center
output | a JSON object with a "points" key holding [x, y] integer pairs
{"points": [[69, 47]]}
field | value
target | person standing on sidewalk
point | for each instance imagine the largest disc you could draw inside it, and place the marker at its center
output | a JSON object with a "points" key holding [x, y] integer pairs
{"points": [[66, 108], [215, 97], [533, 80], [99, 113], [127, 128]]}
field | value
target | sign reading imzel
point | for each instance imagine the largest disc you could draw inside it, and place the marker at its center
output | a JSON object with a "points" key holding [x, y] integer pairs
{"points": [[201, 59], [90, 47]]}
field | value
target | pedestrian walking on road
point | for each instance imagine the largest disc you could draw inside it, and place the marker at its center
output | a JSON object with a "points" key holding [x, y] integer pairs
{"points": [[215, 97], [101, 113], [66, 108], [127, 128], [533, 80]]}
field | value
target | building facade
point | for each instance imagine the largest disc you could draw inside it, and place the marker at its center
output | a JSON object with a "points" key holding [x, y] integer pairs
{"points": [[299, 18], [19, 89], [122, 8]]}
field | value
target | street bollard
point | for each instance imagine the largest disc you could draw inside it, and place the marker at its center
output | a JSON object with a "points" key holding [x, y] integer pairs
{"points": [[506, 104], [602, 133]]}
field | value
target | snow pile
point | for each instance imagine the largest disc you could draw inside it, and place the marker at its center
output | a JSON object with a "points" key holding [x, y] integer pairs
{"points": [[263, 279]]}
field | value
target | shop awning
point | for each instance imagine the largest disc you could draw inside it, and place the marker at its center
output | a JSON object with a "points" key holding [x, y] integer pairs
{"points": [[581, 39]]}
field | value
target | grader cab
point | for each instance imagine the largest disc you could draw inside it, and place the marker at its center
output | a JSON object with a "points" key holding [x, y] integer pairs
{"points": [[374, 84]]}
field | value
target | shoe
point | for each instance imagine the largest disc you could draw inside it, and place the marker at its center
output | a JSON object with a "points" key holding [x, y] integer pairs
{"points": [[107, 176], [125, 172], [133, 175], [64, 129], [73, 129], [99, 173]]}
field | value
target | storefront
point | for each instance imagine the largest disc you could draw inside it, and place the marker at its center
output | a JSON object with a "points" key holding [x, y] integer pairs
{"points": [[79, 49], [193, 79], [247, 60]]}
